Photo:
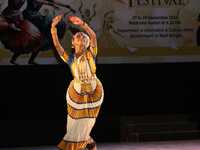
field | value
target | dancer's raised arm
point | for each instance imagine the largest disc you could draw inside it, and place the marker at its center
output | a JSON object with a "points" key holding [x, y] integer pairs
{"points": [[93, 40], [62, 53]]}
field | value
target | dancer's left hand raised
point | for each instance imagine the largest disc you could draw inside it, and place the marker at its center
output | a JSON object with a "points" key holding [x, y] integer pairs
{"points": [[76, 20]]}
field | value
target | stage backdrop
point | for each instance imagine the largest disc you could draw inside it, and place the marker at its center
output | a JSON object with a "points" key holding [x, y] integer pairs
{"points": [[128, 31]]}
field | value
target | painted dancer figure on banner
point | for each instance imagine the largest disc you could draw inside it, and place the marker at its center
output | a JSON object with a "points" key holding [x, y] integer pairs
{"points": [[189, 21], [108, 23], [17, 34], [13, 13], [86, 13], [85, 93], [43, 22], [106, 40], [25, 30], [113, 20]]}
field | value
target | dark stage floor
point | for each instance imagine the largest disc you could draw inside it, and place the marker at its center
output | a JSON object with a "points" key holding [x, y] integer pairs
{"points": [[166, 145]]}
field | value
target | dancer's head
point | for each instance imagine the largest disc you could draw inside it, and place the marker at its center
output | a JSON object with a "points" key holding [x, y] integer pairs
{"points": [[80, 42]]}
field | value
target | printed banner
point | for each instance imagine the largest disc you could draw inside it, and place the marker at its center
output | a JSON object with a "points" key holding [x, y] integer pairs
{"points": [[127, 30]]}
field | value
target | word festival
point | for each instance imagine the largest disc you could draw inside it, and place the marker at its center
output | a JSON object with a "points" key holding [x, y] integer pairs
{"points": [[133, 3]]}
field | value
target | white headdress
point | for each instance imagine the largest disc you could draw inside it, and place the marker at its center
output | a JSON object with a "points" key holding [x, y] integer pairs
{"points": [[86, 39]]}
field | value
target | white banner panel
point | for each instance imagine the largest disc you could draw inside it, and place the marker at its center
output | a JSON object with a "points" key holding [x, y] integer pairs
{"points": [[128, 31]]}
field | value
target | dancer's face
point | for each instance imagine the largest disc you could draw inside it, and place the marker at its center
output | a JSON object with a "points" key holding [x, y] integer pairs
{"points": [[79, 43]]}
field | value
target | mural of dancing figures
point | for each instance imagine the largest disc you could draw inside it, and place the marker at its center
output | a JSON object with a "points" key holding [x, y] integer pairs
{"points": [[127, 31]]}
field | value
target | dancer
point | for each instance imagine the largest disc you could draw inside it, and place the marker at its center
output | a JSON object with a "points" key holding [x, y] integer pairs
{"points": [[85, 92], [18, 34], [43, 22]]}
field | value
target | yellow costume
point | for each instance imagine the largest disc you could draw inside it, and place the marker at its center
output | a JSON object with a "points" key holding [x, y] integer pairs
{"points": [[85, 93], [84, 98]]}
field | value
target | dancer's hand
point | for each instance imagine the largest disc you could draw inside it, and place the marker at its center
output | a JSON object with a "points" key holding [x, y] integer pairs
{"points": [[56, 20], [76, 20]]}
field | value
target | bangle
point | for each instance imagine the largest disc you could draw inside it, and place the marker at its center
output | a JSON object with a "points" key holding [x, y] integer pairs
{"points": [[54, 31]]}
